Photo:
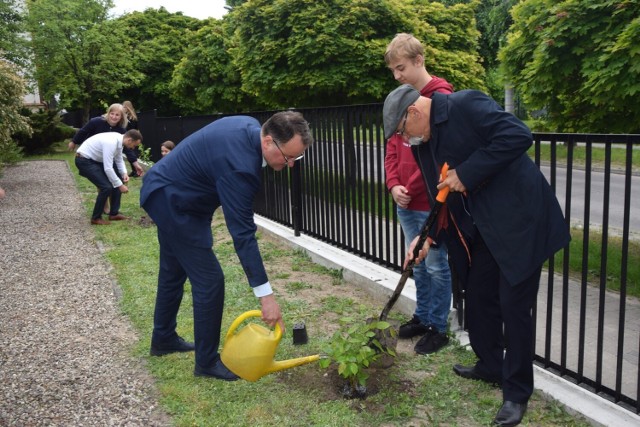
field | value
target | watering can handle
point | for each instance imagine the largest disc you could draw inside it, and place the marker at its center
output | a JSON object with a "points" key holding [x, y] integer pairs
{"points": [[244, 316]]}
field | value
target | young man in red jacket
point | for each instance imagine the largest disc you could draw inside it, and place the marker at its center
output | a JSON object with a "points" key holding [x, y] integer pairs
{"points": [[405, 58]]}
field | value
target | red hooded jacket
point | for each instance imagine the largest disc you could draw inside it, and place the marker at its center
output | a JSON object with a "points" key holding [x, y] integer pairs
{"points": [[400, 165]]}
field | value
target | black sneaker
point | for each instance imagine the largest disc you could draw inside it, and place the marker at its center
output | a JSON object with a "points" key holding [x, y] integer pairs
{"points": [[178, 346], [431, 342], [412, 328]]}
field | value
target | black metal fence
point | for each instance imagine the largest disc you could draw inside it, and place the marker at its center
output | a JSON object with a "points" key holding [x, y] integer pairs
{"points": [[586, 332]]}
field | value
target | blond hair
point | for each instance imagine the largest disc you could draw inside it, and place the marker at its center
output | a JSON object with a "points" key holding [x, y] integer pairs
{"points": [[403, 45], [124, 121], [130, 111]]}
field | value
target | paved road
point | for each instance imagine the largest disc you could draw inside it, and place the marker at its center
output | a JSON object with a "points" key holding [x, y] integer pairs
{"points": [[601, 319], [371, 164], [595, 190]]}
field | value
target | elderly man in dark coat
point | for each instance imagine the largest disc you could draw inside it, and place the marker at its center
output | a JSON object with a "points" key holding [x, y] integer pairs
{"points": [[503, 221]]}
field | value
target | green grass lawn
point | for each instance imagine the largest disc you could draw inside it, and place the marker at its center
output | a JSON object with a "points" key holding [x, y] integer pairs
{"points": [[417, 390]]}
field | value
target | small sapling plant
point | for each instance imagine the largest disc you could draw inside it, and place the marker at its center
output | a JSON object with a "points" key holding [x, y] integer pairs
{"points": [[354, 347]]}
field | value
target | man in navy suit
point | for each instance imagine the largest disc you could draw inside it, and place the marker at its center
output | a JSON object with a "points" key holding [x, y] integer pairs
{"points": [[502, 217], [219, 165]]}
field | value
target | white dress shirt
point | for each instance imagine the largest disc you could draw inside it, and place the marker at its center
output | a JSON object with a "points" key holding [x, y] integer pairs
{"points": [[106, 148]]}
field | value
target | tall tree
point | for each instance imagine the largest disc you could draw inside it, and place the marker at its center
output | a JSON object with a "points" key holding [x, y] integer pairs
{"points": [[13, 59], [12, 89], [494, 20], [579, 60], [13, 44], [205, 80], [159, 40], [450, 37], [329, 52], [312, 53], [79, 53]]}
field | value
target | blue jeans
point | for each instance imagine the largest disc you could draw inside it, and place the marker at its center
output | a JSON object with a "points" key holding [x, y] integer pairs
{"points": [[94, 172], [432, 276]]}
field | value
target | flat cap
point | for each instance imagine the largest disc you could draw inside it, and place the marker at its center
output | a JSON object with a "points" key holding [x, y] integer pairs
{"points": [[395, 106]]}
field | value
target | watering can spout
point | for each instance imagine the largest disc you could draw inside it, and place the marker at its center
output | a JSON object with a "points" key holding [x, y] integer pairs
{"points": [[292, 363], [250, 352]]}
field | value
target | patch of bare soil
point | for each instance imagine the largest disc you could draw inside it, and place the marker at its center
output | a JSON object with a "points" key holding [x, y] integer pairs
{"points": [[145, 222], [328, 385], [317, 288]]}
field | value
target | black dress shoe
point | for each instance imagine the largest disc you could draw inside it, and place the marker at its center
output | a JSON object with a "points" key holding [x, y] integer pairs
{"points": [[510, 414], [218, 371], [470, 372], [177, 346]]}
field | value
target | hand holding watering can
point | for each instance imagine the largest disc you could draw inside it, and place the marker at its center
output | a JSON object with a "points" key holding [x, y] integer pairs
{"points": [[249, 353]]}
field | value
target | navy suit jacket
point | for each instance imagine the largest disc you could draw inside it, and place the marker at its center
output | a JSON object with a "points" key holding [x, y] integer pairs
{"points": [[508, 199], [219, 165]]}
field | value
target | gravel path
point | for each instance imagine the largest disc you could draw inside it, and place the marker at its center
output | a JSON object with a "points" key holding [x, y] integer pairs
{"points": [[65, 348]]}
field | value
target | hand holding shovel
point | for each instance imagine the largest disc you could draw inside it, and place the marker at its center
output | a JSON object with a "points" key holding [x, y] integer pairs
{"points": [[421, 239]]}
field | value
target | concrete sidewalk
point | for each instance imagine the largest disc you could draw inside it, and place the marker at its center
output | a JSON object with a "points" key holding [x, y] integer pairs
{"points": [[381, 282]]}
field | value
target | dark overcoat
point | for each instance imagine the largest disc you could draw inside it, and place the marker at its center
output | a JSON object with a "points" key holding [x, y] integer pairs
{"points": [[508, 198]]}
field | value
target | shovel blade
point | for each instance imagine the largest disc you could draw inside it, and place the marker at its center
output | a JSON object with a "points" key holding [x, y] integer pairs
{"points": [[388, 339]]}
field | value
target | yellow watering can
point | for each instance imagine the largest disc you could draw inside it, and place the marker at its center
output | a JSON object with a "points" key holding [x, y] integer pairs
{"points": [[249, 353]]}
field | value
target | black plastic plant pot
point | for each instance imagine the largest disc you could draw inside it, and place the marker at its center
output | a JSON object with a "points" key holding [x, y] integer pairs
{"points": [[300, 334]]}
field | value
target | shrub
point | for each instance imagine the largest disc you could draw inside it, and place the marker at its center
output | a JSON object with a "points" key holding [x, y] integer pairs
{"points": [[47, 130], [11, 121], [10, 153]]}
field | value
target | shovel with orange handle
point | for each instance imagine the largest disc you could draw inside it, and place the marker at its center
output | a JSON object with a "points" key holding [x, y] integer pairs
{"points": [[424, 234]]}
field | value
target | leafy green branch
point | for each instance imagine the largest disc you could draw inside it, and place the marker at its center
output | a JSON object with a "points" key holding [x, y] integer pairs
{"points": [[354, 348]]}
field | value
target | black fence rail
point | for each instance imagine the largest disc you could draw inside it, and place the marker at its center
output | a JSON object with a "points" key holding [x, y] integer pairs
{"points": [[587, 323], [589, 333]]}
